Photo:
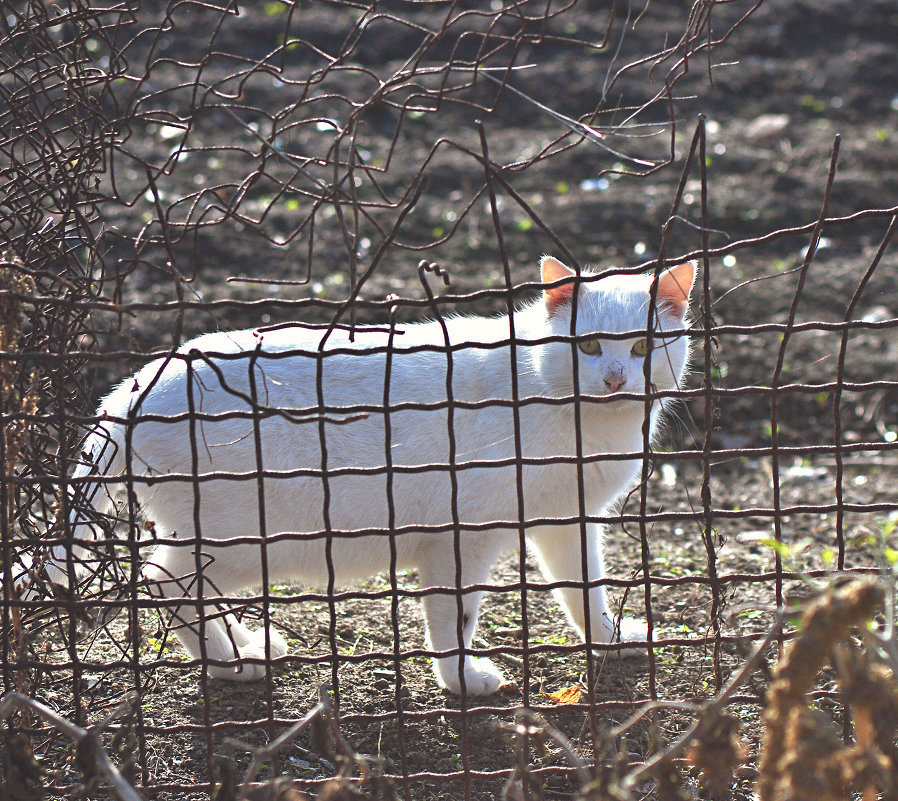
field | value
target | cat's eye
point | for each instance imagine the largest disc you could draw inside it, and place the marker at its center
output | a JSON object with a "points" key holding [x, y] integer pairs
{"points": [[640, 347], [591, 346]]}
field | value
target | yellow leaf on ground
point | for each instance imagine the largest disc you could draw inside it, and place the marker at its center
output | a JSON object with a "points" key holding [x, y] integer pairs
{"points": [[566, 695]]}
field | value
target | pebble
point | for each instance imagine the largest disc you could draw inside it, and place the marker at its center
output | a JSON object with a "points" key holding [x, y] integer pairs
{"points": [[767, 126]]}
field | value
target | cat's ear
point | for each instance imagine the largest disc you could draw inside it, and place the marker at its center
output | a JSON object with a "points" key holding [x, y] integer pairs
{"points": [[674, 286], [552, 270]]}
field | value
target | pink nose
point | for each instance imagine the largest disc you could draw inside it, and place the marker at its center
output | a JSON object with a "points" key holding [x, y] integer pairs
{"points": [[615, 382]]}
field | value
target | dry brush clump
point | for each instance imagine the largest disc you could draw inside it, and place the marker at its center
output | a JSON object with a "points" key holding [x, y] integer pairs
{"points": [[803, 756], [16, 403], [18, 407]]}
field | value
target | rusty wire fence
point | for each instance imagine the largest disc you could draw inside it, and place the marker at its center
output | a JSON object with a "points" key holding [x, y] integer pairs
{"points": [[173, 168]]}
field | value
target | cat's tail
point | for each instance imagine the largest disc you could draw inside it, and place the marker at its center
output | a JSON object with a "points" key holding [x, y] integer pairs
{"points": [[101, 456]]}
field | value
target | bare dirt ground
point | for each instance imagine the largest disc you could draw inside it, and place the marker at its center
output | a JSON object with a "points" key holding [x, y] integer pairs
{"points": [[790, 79]]}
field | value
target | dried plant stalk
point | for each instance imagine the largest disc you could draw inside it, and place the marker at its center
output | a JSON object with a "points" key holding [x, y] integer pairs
{"points": [[802, 756], [14, 283]]}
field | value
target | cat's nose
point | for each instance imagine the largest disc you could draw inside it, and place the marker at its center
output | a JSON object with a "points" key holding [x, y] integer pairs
{"points": [[614, 382]]}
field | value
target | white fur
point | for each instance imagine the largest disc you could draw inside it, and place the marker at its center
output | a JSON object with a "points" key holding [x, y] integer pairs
{"points": [[487, 496]]}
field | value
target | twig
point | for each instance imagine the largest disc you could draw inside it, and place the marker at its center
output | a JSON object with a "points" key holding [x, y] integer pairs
{"points": [[531, 718], [118, 785], [263, 753], [715, 705]]}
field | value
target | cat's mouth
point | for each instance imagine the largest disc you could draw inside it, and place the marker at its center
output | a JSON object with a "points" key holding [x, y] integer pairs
{"points": [[624, 393]]}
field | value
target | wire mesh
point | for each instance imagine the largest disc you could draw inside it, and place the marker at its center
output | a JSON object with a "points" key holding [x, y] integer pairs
{"points": [[172, 168]]}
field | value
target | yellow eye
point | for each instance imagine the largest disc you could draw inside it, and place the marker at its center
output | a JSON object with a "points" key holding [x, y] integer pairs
{"points": [[591, 346], [640, 347]]}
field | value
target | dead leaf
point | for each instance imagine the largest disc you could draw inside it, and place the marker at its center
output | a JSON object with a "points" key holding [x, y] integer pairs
{"points": [[566, 695]]}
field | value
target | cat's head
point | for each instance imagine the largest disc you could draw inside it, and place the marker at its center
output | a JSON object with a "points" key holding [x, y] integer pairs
{"points": [[608, 306]]}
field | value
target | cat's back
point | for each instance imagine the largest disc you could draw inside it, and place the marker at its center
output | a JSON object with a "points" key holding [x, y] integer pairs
{"points": [[289, 362]]}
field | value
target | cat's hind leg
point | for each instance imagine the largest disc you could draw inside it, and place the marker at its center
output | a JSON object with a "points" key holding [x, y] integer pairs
{"points": [[251, 643], [436, 568], [232, 651]]}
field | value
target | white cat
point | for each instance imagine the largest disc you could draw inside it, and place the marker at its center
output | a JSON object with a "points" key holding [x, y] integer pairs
{"points": [[424, 462]]}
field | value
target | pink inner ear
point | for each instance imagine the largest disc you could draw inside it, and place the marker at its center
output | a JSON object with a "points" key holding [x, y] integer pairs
{"points": [[674, 286], [552, 270]]}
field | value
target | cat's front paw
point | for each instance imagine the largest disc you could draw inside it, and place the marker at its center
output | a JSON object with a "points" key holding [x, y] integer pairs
{"points": [[253, 648], [631, 629], [482, 677]]}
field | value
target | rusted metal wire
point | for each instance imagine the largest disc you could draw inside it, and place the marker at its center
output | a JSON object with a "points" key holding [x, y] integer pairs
{"points": [[173, 167]]}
